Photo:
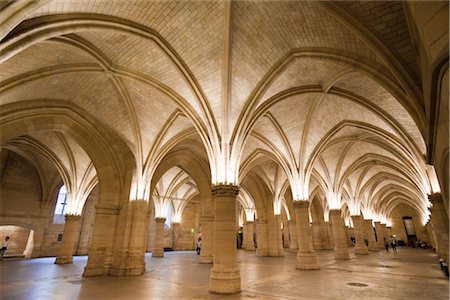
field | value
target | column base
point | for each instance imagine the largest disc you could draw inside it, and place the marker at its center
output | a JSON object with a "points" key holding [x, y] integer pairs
{"points": [[206, 259], [261, 252], [91, 272], [307, 261], [361, 250], [374, 249], [158, 253], [277, 253], [225, 281], [251, 248], [62, 260], [137, 271], [341, 253]]}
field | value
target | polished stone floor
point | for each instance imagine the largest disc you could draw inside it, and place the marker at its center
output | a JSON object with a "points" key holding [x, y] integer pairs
{"points": [[407, 274]]}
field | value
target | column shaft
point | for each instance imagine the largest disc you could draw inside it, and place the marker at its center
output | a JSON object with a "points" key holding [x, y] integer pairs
{"points": [[69, 235], [293, 244], [206, 254], [324, 235], [261, 238], [368, 230], [380, 235], [340, 236], [316, 234], [440, 222], [225, 275], [158, 245], [360, 246], [176, 236], [250, 236], [306, 256]]}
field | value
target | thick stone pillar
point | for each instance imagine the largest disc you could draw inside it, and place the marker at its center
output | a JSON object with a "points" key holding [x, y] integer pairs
{"points": [[368, 229], [261, 238], [384, 231], [440, 222], [206, 254], [306, 256], [275, 242], [325, 239], [340, 236], [380, 235], [158, 245], [331, 235], [316, 234], [129, 251], [176, 236], [360, 246], [250, 245], [70, 232], [102, 241], [225, 275], [389, 231], [293, 244], [285, 233]]}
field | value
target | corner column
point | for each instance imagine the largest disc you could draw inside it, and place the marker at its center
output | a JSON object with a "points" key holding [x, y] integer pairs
{"points": [[68, 240], [340, 236], [360, 246], [306, 256], [158, 245], [225, 275]]}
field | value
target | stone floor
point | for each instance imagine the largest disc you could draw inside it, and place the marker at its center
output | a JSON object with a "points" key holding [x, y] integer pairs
{"points": [[407, 274]]}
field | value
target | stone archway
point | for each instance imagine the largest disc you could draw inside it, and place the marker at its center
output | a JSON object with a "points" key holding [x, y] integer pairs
{"points": [[113, 160]]}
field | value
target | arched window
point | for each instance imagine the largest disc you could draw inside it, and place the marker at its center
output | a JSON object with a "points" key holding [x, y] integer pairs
{"points": [[61, 201], [168, 216]]}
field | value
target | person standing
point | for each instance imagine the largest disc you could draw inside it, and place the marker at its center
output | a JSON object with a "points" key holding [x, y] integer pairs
{"points": [[4, 247], [393, 244], [386, 244]]}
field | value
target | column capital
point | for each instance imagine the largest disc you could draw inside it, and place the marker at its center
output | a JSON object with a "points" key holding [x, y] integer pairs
{"points": [[357, 217], [160, 220], [72, 218], [249, 222], [435, 198], [226, 190], [335, 212], [301, 204]]}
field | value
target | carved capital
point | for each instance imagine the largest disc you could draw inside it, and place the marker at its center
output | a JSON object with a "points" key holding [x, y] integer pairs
{"points": [[107, 210], [225, 190], [435, 198], [72, 218], [249, 223], [301, 204], [160, 220], [335, 212]]}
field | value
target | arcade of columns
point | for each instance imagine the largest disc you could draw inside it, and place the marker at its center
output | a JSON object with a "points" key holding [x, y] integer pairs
{"points": [[302, 123]]}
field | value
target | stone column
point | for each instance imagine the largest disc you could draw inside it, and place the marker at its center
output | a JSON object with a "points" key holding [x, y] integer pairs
{"points": [[206, 254], [102, 241], [176, 236], [325, 239], [250, 233], [360, 246], [225, 275], [440, 222], [331, 234], [340, 236], [368, 229], [317, 242], [306, 256], [389, 231], [275, 242], [261, 238], [293, 244], [380, 235], [158, 245], [68, 239], [129, 251], [385, 232], [285, 233]]}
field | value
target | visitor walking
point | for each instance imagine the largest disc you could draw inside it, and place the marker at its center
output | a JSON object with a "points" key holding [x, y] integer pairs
{"points": [[393, 244], [199, 246], [4, 247]]}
